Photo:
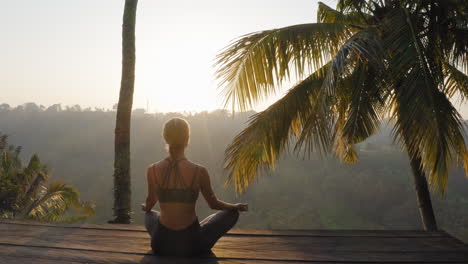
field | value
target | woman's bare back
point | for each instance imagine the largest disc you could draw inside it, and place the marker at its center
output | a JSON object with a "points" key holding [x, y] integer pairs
{"points": [[184, 175], [186, 172], [179, 215]]}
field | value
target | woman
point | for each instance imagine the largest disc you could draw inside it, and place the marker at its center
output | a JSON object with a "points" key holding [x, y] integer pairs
{"points": [[175, 182]]}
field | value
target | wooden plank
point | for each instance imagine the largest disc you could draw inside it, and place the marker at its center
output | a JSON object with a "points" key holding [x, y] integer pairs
{"points": [[119, 232], [38, 255], [53, 255], [35, 260], [336, 233], [109, 239], [247, 232], [104, 244], [259, 248]]}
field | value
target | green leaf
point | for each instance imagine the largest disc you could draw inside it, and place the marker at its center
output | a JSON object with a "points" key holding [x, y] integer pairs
{"points": [[298, 114], [252, 67], [326, 14]]}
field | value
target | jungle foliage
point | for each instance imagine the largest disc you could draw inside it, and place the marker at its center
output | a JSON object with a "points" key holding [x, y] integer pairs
{"points": [[360, 64], [25, 191]]}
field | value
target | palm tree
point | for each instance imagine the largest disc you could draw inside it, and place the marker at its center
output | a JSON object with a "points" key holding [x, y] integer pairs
{"points": [[24, 191], [54, 203], [122, 190], [366, 62]]}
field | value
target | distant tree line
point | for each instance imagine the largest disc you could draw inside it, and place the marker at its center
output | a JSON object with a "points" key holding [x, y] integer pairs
{"points": [[310, 192]]}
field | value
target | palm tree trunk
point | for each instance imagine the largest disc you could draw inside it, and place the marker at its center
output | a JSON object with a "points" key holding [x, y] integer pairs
{"points": [[424, 197], [122, 190]]}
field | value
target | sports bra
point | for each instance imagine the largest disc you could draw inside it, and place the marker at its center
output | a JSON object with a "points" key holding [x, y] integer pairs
{"points": [[185, 194]]}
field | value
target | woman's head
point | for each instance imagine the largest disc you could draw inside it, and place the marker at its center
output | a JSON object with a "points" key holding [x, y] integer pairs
{"points": [[176, 132]]}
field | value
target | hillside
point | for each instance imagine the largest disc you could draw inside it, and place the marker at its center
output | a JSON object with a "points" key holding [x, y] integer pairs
{"points": [[304, 193]]}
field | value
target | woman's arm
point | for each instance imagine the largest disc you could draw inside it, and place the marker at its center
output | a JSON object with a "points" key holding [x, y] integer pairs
{"points": [[210, 197], [152, 197]]}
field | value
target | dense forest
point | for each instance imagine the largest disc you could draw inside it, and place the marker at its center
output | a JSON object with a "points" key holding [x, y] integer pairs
{"points": [[301, 193]]}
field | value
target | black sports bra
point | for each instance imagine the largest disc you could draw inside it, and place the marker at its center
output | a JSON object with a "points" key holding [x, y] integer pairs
{"points": [[186, 194]]}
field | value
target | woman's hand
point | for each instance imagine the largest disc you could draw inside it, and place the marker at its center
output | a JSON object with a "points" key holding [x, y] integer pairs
{"points": [[242, 207], [143, 207]]}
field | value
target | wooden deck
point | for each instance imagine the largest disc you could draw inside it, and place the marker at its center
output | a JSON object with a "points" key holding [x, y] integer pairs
{"points": [[31, 242]]}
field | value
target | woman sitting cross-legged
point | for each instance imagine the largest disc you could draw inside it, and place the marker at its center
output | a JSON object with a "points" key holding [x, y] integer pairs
{"points": [[175, 182]]}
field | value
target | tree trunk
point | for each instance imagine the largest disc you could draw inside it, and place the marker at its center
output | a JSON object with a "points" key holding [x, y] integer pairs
{"points": [[122, 190], [424, 197]]}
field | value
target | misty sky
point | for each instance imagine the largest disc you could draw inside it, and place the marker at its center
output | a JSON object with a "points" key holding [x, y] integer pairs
{"points": [[69, 51]]}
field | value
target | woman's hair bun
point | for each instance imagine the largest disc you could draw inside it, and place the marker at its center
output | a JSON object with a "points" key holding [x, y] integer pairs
{"points": [[176, 131]]}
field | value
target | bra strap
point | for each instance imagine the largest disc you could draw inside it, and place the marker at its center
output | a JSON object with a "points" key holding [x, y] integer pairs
{"points": [[173, 165], [177, 177], [154, 175], [195, 174], [167, 173]]}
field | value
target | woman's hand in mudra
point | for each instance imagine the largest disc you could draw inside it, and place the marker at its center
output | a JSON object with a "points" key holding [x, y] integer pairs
{"points": [[242, 207]]}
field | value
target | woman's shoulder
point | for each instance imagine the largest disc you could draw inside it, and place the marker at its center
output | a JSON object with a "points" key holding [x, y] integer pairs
{"points": [[158, 164], [161, 164], [197, 166], [200, 168]]}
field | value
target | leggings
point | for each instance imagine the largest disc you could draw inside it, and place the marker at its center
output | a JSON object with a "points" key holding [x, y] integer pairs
{"points": [[204, 234]]}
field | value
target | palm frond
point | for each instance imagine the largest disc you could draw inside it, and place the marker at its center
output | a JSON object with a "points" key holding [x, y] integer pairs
{"points": [[361, 6], [447, 27], [7, 161], [455, 81], [362, 47], [360, 106], [345, 151], [32, 188], [33, 165], [252, 67], [409, 56], [457, 38], [433, 133], [57, 198], [367, 92], [258, 147], [326, 14], [426, 122], [31, 180]]}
